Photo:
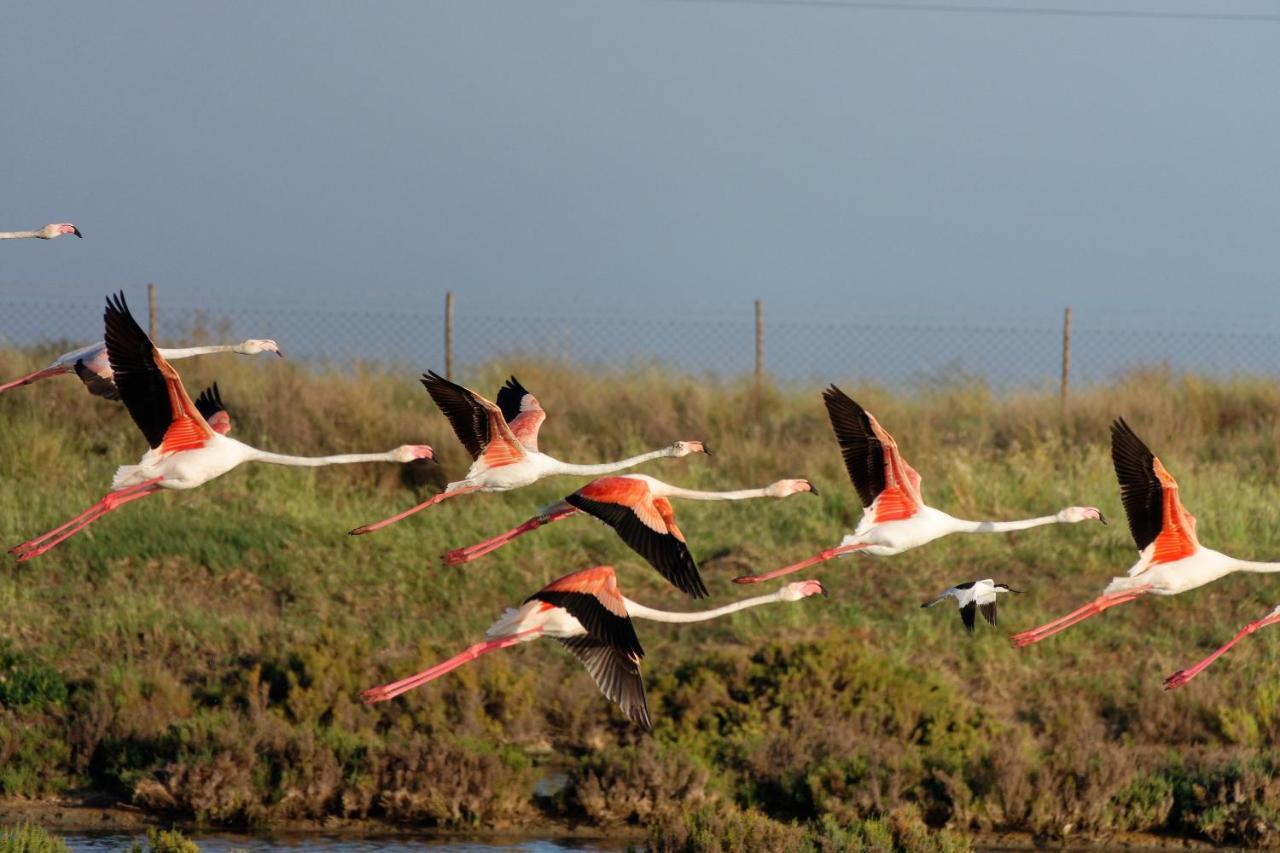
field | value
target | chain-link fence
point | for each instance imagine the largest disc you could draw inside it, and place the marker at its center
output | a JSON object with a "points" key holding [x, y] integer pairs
{"points": [[1005, 356]]}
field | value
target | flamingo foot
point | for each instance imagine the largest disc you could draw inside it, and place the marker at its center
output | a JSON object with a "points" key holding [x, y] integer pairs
{"points": [[828, 554]]}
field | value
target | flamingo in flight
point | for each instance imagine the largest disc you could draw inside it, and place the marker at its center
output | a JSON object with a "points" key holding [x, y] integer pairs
{"points": [[1170, 557], [895, 517], [636, 507], [94, 368], [503, 442], [49, 232], [1182, 676], [188, 441], [587, 613], [972, 597]]}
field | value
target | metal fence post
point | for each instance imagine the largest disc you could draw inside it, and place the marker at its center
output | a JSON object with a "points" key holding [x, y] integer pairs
{"points": [[1066, 355], [759, 343], [448, 335], [151, 310]]}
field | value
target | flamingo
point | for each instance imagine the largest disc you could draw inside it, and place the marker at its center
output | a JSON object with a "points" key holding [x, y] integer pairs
{"points": [[55, 229], [503, 442], [636, 506], [94, 368], [973, 596], [188, 442], [588, 614], [895, 517], [1182, 676], [1170, 557]]}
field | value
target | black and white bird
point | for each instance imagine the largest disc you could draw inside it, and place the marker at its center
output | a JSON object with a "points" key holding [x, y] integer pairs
{"points": [[972, 597]]}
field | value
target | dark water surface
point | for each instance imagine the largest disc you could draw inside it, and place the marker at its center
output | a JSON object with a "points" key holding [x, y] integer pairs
{"points": [[226, 843]]}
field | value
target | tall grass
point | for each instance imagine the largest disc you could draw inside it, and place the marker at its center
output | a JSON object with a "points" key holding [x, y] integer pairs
{"points": [[202, 654]]}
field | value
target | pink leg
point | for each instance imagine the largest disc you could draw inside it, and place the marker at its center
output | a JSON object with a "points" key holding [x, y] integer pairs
{"points": [[473, 552], [1093, 608], [1182, 676], [113, 501], [803, 564], [395, 688], [34, 377], [443, 496]]}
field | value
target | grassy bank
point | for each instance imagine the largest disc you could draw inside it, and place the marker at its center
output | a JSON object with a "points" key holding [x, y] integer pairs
{"points": [[201, 654]]}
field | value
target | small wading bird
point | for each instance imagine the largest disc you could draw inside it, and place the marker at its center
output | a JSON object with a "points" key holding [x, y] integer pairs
{"points": [[1182, 676], [56, 229], [94, 368], [586, 612], [895, 517], [188, 444], [636, 507], [1170, 557], [503, 442], [972, 597]]}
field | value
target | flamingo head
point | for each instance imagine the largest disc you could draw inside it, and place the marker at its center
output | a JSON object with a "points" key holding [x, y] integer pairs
{"points": [[410, 452], [1077, 514], [253, 346], [684, 448], [57, 229], [802, 589], [784, 488]]}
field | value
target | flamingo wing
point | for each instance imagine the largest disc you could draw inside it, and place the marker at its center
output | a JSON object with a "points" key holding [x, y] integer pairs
{"points": [[592, 597], [646, 524], [522, 412], [211, 407], [149, 386], [1150, 497], [883, 479], [616, 674], [97, 384], [477, 422]]}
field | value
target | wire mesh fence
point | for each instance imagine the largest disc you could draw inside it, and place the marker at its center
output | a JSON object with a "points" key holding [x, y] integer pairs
{"points": [[1004, 356]]}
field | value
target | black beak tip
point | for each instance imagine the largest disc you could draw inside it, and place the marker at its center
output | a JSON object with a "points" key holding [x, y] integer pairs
{"points": [[813, 489], [707, 450], [1102, 518], [76, 231], [280, 353], [823, 589]]}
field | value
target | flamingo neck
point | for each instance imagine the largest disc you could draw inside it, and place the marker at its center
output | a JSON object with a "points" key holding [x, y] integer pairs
{"points": [[188, 352], [257, 455], [1252, 566], [963, 526], [694, 495], [557, 467], [639, 611], [18, 235]]}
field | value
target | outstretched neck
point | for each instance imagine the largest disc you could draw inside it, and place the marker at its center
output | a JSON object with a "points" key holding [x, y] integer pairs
{"points": [[639, 611], [257, 455], [188, 352], [17, 235], [964, 526], [694, 495], [558, 467], [1253, 566]]}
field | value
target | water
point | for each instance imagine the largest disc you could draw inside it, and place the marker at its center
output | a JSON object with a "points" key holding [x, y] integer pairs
{"points": [[226, 843]]}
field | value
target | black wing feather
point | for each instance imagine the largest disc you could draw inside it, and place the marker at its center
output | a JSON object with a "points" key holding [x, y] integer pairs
{"points": [[1140, 489], [988, 611], [663, 551], [600, 622], [469, 419], [138, 379], [509, 397], [209, 403], [862, 451], [616, 674], [97, 385], [967, 614]]}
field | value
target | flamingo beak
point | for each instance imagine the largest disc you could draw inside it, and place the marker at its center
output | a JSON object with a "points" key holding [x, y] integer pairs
{"points": [[76, 231], [1102, 517], [813, 489]]}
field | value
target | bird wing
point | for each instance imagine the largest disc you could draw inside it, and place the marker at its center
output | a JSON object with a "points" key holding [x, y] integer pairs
{"points": [[646, 524], [967, 614], [988, 611], [149, 386], [591, 596], [97, 385], [883, 479], [1150, 497], [477, 422], [616, 674], [214, 411], [522, 412]]}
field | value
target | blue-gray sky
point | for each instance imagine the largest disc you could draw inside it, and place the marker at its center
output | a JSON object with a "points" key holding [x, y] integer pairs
{"points": [[647, 157]]}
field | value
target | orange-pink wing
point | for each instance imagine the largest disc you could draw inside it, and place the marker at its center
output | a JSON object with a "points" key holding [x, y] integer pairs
{"points": [[900, 497]]}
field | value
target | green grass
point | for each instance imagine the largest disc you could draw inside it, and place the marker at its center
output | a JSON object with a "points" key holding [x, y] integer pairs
{"points": [[202, 654], [28, 838]]}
